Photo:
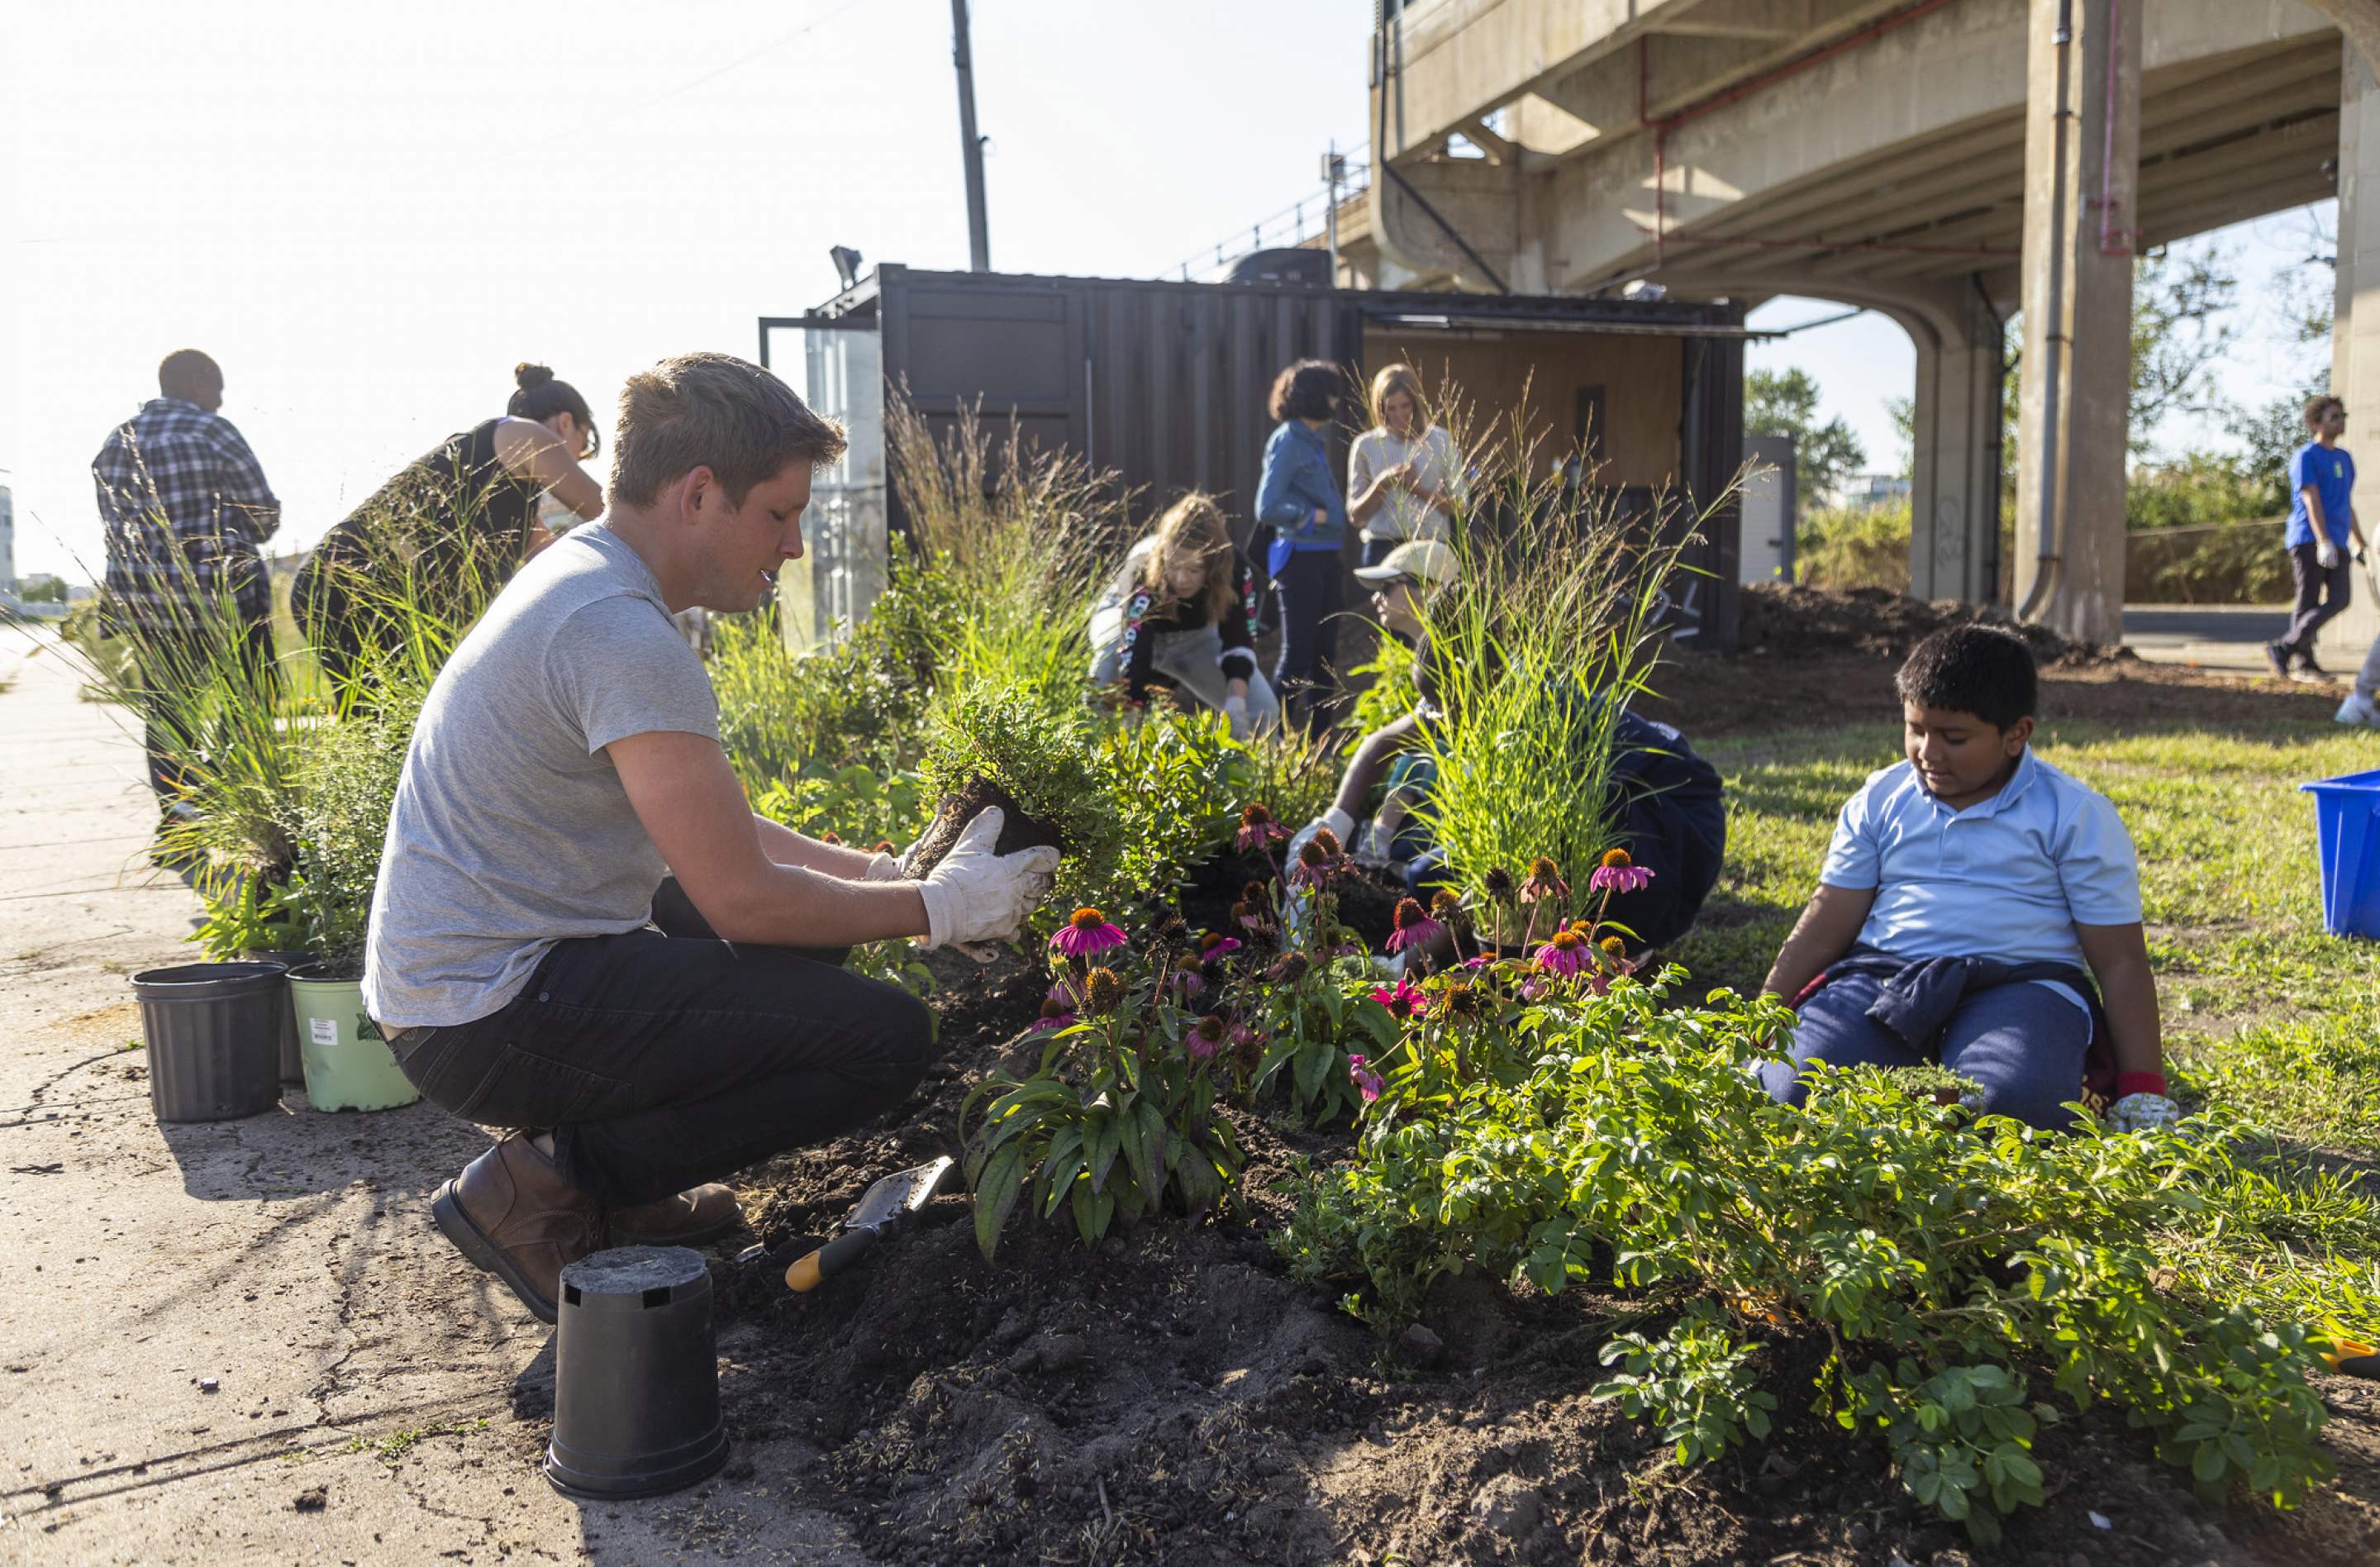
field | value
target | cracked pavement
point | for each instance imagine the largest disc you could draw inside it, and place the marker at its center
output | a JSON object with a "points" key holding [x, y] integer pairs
{"points": [[365, 1378]]}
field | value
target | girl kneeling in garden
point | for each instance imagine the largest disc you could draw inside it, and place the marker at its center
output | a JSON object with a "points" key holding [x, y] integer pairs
{"points": [[1665, 803], [1966, 887], [1181, 615]]}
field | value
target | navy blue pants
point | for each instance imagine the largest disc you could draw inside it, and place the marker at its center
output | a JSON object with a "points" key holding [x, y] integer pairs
{"points": [[1309, 587], [2022, 1043]]}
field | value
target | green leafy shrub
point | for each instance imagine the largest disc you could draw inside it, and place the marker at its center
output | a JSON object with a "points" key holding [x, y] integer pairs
{"points": [[1948, 1262], [1173, 782], [1042, 755], [1845, 547], [1117, 1124]]}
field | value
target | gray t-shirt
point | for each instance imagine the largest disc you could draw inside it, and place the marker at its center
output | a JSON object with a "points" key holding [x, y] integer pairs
{"points": [[511, 831]]}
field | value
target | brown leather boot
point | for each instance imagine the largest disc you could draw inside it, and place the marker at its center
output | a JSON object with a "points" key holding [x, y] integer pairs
{"points": [[699, 1213], [513, 1216]]}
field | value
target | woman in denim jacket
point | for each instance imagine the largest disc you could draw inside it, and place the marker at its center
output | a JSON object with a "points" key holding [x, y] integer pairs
{"points": [[1299, 498]]}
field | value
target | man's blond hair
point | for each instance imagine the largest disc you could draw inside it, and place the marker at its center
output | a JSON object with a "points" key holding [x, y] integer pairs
{"points": [[713, 411]]}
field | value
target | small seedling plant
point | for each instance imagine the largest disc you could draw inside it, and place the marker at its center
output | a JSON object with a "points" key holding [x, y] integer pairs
{"points": [[1971, 1278], [1118, 1122]]}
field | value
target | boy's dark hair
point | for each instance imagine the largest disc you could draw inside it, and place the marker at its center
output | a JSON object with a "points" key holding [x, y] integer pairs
{"points": [[2320, 404], [1305, 388], [1974, 669]]}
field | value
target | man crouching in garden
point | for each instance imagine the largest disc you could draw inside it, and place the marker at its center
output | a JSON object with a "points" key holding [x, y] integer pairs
{"points": [[581, 930]]}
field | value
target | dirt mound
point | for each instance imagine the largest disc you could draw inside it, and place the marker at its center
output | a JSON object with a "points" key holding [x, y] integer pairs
{"points": [[1173, 1396], [1784, 619]]}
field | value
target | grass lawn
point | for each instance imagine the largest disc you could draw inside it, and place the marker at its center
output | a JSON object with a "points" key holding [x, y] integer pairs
{"points": [[2265, 1013]]}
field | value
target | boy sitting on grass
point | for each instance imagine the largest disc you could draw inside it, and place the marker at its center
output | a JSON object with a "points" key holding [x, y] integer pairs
{"points": [[1965, 888]]}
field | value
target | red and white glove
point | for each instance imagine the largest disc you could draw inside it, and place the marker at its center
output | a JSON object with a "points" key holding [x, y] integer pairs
{"points": [[2141, 1103]]}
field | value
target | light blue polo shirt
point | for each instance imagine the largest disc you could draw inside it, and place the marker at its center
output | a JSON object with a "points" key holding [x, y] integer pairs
{"points": [[2008, 878]]}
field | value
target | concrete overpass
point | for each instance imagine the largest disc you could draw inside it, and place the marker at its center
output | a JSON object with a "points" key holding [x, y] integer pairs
{"points": [[1948, 162]]}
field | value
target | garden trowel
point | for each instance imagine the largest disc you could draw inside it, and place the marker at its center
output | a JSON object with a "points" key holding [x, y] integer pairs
{"points": [[882, 1208]]}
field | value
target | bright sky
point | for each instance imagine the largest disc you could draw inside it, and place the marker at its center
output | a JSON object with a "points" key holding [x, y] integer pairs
{"points": [[1863, 362], [368, 215]]}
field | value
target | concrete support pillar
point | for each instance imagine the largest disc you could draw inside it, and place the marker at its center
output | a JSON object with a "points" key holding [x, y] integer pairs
{"points": [[2082, 158], [2355, 329], [1954, 496]]}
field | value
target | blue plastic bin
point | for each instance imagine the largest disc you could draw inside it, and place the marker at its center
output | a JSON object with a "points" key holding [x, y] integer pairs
{"points": [[2346, 824]]}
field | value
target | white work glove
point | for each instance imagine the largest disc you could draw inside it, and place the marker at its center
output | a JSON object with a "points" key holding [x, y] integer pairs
{"points": [[883, 867], [2325, 550], [975, 895], [1236, 710], [1371, 846], [2143, 1113], [1338, 821]]}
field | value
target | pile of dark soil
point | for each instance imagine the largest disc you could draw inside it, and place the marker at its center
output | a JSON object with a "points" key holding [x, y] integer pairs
{"points": [[1173, 1396], [1785, 620]]}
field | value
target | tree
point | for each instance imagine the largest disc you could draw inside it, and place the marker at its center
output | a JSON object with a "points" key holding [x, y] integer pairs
{"points": [[1785, 403], [2180, 329]]}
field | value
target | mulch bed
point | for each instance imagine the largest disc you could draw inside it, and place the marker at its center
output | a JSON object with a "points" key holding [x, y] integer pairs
{"points": [[1172, 1396]]}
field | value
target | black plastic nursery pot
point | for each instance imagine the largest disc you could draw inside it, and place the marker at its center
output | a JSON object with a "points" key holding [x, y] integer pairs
{"points": [[635, 1377], [213, 1032], [293, 1062], [1018, 829]]}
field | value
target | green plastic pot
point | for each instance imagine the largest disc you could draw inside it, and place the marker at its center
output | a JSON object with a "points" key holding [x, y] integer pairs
{"points": [[348, 1065]]}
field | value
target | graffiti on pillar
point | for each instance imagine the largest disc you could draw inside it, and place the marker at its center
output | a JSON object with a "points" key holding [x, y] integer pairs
{"points": [[1681, 613], [1949, 548]]}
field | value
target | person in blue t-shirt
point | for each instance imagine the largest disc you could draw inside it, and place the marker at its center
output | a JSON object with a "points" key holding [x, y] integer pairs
{"points": [[2322, 521]]}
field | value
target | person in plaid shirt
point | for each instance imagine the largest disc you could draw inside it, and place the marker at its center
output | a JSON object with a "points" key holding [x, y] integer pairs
{"points": [[185, 505]]}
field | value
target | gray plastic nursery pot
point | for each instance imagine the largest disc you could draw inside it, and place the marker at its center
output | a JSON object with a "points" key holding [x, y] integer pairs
{"points": [[636, 1376], [213, 1032]]}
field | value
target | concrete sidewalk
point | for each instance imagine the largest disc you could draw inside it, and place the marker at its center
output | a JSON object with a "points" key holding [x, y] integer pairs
{"points": [[366, 1380]]}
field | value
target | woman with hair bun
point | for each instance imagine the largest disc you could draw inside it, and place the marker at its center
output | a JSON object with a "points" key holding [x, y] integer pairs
{"points": [[449, 530], [1299, 498]]}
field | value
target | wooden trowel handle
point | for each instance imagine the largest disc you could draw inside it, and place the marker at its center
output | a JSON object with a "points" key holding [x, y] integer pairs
{"points": [[816, 1267]]}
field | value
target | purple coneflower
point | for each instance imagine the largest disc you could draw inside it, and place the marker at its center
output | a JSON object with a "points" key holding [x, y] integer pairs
{"points": [[1057, 1010], [1367, 1082], [1545, 882], [1214, 946], [1085, 932], [1407, 998], [1207, 1036], [1499, 883], [1618, 873], [1565, 953], [1320, 860], [1259, 830], [1102, 992], [1289, 969], [1413, 927], [1185, 979]]}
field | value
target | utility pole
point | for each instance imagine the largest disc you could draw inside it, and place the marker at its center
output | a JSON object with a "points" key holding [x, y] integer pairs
{"points": [[970, 144], [1334, 171]]}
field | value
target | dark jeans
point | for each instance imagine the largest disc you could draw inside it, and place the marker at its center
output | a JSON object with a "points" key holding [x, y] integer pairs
{"points": [[167, 662], [2023, 1044], [2320, 594], [1309, 589], [665, 1058]]}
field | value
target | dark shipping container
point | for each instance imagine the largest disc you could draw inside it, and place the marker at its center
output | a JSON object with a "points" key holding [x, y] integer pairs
{"points": [[1165, 382]]}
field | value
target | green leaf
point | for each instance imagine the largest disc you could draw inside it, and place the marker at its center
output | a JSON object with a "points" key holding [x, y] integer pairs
{"points": [[995, 1194]]}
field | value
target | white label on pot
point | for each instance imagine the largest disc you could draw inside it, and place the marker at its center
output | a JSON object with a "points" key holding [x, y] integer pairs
{"points": [[325, 1029]]}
